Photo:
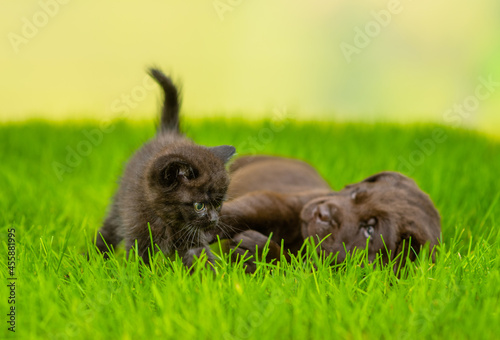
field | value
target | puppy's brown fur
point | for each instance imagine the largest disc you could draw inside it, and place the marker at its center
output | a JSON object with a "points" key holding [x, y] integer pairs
{"points": [[289, 199]]}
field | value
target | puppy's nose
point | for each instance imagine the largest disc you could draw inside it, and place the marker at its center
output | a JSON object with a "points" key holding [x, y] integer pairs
{"points": [[323, 213]]}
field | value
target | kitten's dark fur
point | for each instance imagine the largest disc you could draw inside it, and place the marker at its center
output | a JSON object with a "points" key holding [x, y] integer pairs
{"points": [[171, 183]]}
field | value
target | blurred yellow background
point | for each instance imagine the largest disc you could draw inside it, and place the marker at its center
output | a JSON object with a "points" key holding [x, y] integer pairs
{"points": [[390, 60]]}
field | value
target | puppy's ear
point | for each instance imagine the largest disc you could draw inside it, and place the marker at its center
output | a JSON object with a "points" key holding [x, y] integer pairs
{"points": [[385, 176], [170, 172], [410, 245], [223, 152], [412, 237]]}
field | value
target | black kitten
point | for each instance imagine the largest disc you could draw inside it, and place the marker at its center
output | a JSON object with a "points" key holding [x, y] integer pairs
{"points": [[174, 185]]}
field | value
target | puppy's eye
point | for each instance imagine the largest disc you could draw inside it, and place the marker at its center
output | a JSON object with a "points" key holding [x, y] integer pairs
{"points": [[368, 231], [199, 207], [369, 227]]}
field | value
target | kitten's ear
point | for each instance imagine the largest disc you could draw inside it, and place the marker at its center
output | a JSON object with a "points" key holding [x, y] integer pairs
{"points": [[224, 152], [171, 172]]}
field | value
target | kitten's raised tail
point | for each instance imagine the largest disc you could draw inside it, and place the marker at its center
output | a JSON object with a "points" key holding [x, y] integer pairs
{"points": [[171, 103]]}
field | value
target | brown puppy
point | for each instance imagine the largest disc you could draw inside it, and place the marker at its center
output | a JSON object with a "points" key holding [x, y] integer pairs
{"points": [[290, 199]]}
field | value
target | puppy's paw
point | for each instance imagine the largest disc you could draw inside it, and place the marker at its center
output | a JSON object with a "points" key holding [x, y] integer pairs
{"points": [[250, 244], [191, 256]]}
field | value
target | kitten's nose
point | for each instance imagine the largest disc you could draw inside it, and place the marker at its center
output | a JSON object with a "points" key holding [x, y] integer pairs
{"points": [[213, 217]]}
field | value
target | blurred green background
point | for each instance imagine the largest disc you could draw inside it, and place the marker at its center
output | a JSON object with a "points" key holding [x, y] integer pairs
{"points": [[401, 61]]}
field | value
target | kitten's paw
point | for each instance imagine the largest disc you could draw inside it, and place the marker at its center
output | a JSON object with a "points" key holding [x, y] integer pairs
{"points": [[103, 249]]}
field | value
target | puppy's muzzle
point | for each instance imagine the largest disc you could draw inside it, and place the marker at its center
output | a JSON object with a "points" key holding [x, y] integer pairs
{"points": [[326, 213]]}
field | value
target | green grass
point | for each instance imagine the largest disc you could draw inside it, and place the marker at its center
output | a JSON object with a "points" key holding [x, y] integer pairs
{"points": [[61, 295]]}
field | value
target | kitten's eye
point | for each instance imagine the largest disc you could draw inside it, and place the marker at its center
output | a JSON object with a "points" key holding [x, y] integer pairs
{"points": [[218, 206], [199, 207]]}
